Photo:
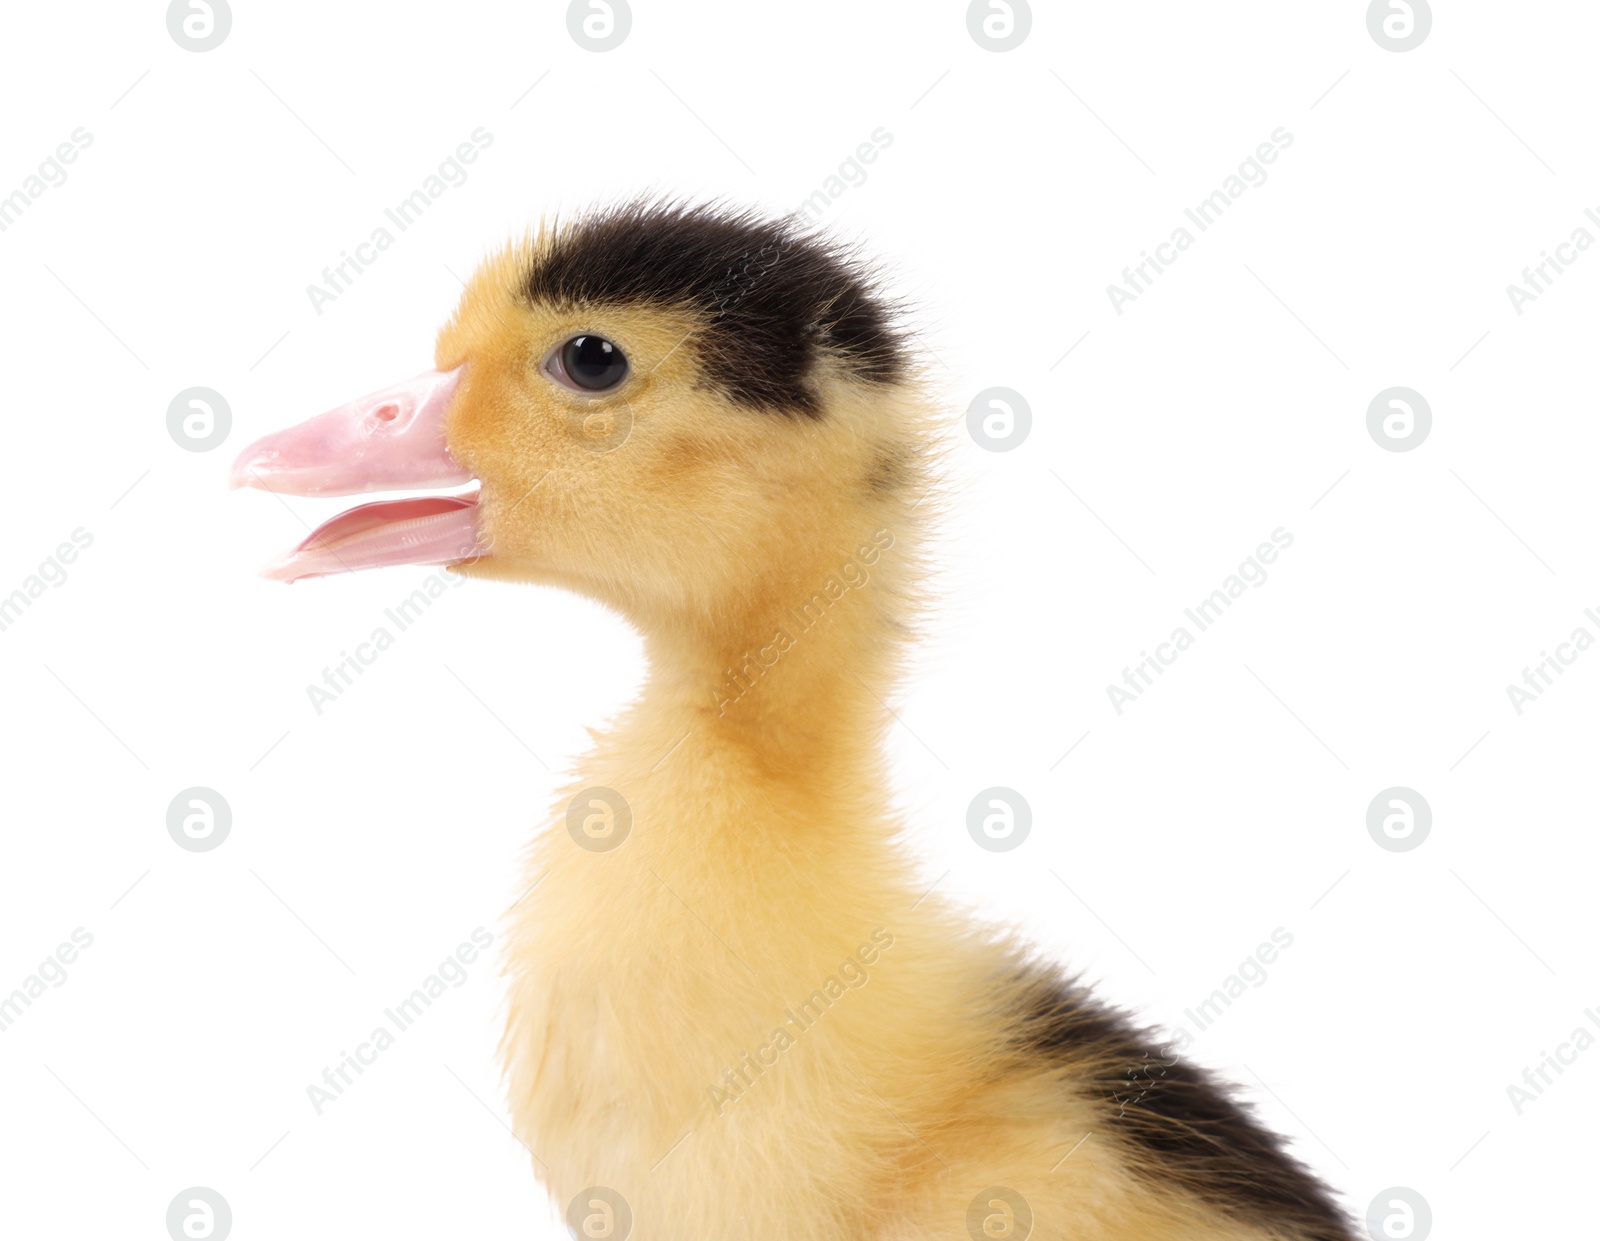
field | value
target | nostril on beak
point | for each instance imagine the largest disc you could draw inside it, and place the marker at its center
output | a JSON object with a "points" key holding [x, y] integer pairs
{"points": [[386, 413]]}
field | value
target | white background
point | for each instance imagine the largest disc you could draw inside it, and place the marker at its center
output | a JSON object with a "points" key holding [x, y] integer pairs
{"points": [[1229, 800]]}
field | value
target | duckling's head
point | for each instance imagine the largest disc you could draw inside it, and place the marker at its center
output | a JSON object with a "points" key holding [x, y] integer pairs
{"points": [[684, 412]]}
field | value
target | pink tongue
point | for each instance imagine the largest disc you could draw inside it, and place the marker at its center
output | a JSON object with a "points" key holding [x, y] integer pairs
{"points": [[424, 530]]}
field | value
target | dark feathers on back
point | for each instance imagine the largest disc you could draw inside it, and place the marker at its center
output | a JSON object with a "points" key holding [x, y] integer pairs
{"points": [[1180, 1125], [770, 298]]}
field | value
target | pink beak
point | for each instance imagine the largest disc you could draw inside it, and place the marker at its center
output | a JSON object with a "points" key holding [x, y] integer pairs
{"points": [[386, 441]]}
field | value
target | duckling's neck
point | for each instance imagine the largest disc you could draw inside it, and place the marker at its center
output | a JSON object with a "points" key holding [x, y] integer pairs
{"points": [[795, 682]]}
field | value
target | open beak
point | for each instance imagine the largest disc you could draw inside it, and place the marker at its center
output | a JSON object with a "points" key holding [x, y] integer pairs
{"points": [[386, 441]]}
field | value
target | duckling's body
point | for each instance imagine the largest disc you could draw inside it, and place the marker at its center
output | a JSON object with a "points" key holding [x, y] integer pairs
{"points": [[730, 1004]]}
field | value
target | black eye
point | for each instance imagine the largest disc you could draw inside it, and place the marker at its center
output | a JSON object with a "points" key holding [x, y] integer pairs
{"points": [[592, 363]]}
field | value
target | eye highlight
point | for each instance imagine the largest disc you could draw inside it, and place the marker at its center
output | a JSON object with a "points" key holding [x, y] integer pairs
{"points": [[588, 363]]}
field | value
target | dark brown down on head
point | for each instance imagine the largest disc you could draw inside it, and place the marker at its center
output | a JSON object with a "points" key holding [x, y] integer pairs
{"points": [[772, 297]]}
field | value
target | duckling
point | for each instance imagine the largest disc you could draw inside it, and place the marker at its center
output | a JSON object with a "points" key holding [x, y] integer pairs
{"points": [[732, 1012]]}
